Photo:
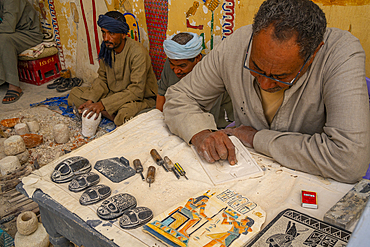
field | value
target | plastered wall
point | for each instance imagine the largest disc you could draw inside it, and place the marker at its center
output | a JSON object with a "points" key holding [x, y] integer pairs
{"points": [[73, 23]]}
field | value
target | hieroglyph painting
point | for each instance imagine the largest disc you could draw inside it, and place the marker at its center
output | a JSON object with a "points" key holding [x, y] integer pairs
{"points": [[209, 219]]}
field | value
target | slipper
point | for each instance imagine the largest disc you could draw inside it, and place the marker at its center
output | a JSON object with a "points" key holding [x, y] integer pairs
{"points": [[69, 83], [66, 170], [56, 83], [83, 181], [133, 218], [114, 206], [12, 94], [95, 194]]}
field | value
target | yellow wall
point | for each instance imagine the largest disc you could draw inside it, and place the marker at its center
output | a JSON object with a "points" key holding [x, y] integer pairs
{"points": [[348, 15], [351, 15], [74, 48]]}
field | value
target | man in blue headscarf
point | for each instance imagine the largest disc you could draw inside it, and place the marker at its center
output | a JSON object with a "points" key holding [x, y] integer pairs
{"points": [[126, 83], [183, 52]]}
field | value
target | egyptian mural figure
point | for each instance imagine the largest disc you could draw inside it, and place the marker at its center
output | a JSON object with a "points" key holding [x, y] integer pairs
{"points": [[182, 218], [238, 227], [207, 219], [190, 210]]}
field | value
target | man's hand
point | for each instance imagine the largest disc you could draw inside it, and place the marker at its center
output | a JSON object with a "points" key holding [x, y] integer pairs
{"points": [[213, 146], [244, 133], [89, 106]]}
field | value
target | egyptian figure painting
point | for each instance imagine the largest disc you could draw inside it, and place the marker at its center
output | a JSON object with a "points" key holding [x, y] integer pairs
{"points": [[211, 218]]}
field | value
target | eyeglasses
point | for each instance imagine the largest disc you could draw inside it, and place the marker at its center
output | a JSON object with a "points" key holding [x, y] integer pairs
{"points": [[284, 82]]}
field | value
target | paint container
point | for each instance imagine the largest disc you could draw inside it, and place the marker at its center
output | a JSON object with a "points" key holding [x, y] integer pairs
{"points": [[89, 125]]}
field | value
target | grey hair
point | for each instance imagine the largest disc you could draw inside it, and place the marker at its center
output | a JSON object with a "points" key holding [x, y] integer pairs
{"points": [[293, 17]]}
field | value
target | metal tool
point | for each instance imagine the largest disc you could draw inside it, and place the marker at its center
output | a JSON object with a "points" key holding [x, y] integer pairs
{"points": [[158, 159], [180, 170], [150, 177], [76, 112], [171, 167], [139, 168]]}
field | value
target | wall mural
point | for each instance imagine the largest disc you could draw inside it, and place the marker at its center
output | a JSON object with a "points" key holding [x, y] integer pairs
{"points": [[156, 13], [97, 44], [49, 24], [87, 32], [134, 32], [214, 20], [228, 18], [227, 13]]}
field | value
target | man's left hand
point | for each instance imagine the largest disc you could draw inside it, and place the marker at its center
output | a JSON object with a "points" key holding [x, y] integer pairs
{"points": [[244, 133]]}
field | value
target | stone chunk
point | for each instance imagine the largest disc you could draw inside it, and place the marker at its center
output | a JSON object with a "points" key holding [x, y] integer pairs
{"points": [[9, 164], [27, 223], [10, 122], [14, 145], [39, 238], [61, 133], [33, 126], [32, 140], [21, 129], [23, 157], [2, 145]]}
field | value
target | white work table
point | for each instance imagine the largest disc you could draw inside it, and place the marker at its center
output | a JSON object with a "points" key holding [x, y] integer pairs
{"points": [[278, 189]]}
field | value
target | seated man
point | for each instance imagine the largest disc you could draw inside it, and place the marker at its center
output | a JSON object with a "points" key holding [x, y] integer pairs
{"points": [[184, 52], [126, 83], [19, 31], [298, 90]]}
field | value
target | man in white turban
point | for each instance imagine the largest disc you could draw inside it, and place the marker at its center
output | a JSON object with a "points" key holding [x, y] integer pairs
{"points": [[183, 52]]}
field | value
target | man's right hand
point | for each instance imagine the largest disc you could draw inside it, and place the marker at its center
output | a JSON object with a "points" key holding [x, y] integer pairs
{"points": [[89, 106], [213, 146]]}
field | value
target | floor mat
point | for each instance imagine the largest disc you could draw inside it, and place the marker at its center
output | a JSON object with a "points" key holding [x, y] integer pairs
{"points": [[60, 105]]}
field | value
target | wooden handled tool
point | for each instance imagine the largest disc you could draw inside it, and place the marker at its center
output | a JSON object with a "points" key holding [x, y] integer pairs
{"points": [[158, 159], [139, 168], [150, 177]]}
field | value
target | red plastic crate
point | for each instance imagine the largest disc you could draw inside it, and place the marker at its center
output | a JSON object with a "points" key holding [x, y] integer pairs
{"points": [[39, 71]]}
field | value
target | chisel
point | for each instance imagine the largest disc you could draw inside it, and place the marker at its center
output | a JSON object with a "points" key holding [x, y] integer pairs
{"points": [[158, 159], [180, 170], [171, 167], [139, 168], [150, 177]]}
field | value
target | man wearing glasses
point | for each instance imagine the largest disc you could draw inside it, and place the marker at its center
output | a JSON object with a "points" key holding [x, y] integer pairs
{"points": [[298, 91]]}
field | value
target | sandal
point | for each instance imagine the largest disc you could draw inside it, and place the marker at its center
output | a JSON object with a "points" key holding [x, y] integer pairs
{"points": [[69, 168], [69, 83], [56, 83], [12, 94], [115, 206], [133, 218], [83, 181], [94, 194]]}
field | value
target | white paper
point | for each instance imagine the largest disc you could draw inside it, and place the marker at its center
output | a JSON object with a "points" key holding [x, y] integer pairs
{"points": [[222, 172]]}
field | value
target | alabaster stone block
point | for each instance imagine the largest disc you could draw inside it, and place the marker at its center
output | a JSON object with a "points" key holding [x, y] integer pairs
{"points": [[61, 133], [21, 129], [14, 145], [33, 126], [9, 164]]}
